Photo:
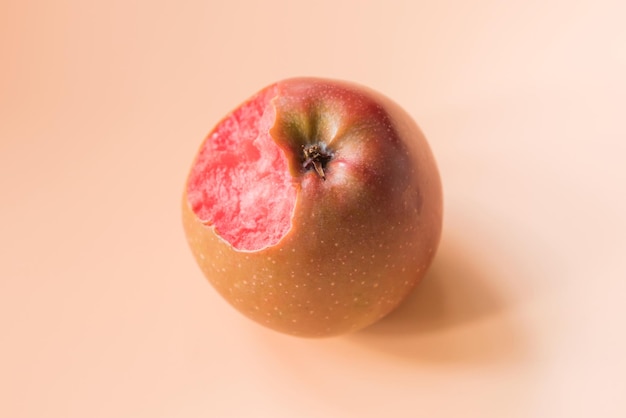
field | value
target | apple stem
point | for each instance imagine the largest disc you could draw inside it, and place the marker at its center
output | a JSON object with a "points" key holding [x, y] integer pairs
{"points": [[315, 157], [319, 169]]}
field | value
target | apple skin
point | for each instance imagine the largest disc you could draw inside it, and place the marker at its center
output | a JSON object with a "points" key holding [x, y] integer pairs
{"points": [[360, 239]]}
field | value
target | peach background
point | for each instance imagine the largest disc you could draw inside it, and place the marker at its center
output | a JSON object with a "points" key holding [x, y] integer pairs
{"points": [[103, 312]]}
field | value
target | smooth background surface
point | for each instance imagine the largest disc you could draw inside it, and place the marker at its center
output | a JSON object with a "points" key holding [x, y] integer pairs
{"points": [[103, 312]]}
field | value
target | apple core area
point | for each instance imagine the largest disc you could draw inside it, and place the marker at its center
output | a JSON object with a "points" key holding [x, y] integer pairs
{"points": [[240, 181]]}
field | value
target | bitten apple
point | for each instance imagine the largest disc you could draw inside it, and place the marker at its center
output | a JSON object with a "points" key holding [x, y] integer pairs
{"points": [[315, 207]]}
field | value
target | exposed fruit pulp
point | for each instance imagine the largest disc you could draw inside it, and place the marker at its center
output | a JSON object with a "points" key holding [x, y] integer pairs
{"points": [[240, 182]]}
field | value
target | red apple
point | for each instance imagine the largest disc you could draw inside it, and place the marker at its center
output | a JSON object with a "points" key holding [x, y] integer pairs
{"points": [[315, 207]]}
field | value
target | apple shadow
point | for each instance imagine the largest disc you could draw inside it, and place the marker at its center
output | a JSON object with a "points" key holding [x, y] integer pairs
{"points": [[455, 315]]}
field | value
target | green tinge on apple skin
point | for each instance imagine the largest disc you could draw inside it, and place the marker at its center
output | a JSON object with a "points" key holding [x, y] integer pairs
{"points": [[359, 241]]}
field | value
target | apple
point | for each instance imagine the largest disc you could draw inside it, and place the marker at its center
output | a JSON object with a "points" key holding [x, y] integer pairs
{"points": [[315, 207]]}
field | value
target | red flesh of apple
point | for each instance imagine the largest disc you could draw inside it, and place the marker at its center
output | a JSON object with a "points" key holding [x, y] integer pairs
{"points": [[240, 182]]}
